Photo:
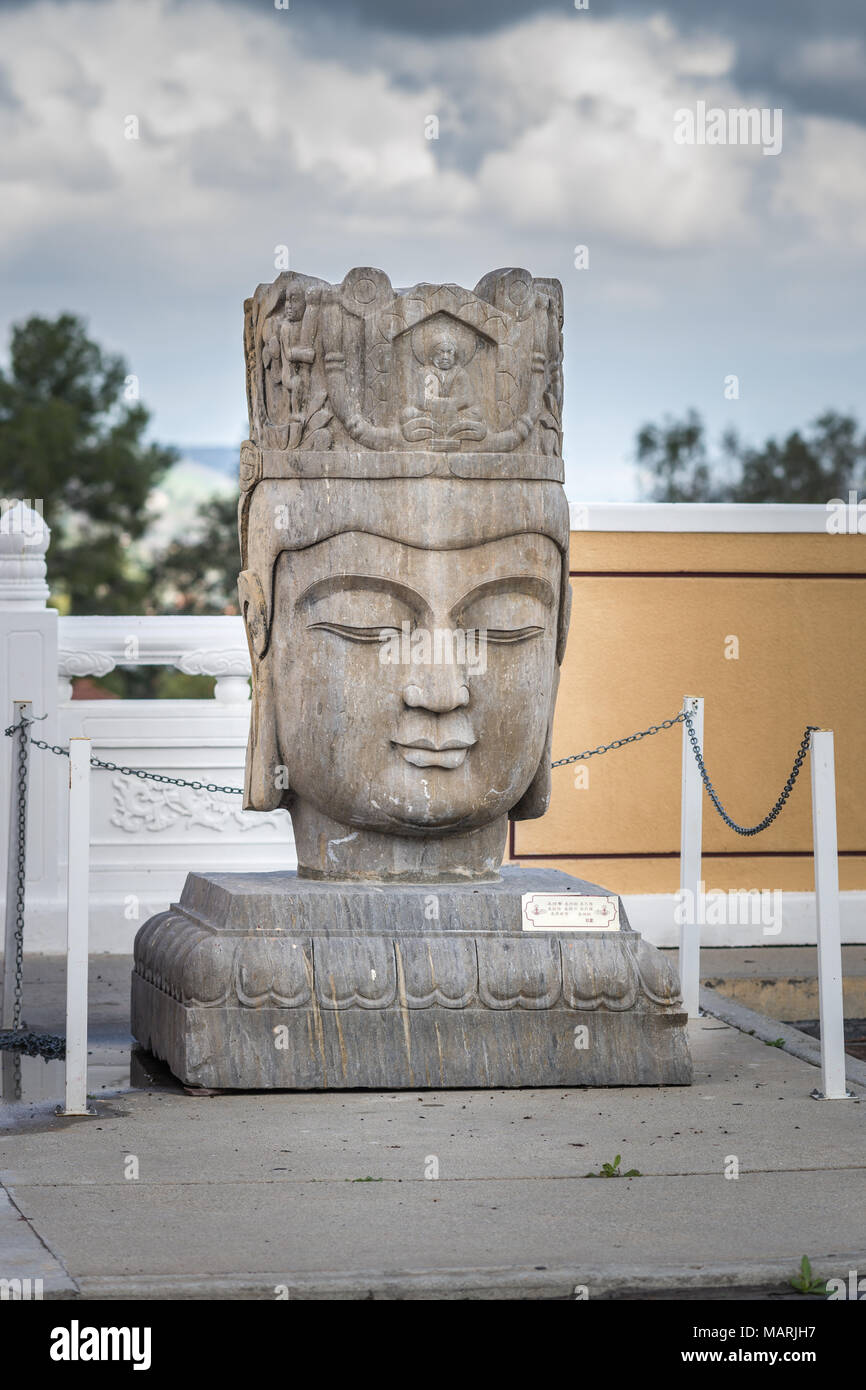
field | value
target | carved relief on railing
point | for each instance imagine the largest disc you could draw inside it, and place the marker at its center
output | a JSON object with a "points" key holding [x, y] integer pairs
{"points": [[72, 664], [84, 663], [231, 667], [205, 661], [138, 806]]}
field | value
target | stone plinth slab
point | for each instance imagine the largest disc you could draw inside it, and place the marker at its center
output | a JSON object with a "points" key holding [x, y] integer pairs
{"points": [[274, 981]]}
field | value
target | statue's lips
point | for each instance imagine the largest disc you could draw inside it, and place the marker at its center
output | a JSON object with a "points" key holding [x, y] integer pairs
{"points": [[425, 753]]}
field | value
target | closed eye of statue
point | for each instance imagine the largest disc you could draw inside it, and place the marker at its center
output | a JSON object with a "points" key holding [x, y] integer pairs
{"points": [[504, 616], [505, 635], [358, 614], [356, 634]]}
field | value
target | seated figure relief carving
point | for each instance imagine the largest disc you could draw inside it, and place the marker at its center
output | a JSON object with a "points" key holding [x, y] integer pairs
{"points": [[449, 410]]}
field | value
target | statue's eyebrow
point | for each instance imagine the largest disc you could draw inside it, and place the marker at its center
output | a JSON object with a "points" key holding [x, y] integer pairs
{"points": [[340, 583], [522, 583]]}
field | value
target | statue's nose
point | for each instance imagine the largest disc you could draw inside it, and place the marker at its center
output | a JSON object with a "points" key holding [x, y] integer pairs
{"points": [[436, 688]]}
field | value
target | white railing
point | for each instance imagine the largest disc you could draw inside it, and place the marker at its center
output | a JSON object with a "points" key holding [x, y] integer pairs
{"points": [[198, 646], [145, 836]]}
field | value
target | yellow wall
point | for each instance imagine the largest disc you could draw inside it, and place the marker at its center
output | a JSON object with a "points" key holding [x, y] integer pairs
{"points": [[651, 616]]}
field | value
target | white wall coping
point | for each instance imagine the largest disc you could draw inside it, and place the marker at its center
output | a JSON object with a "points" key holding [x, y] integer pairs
{"points": [[744, 517], [653, 915]]}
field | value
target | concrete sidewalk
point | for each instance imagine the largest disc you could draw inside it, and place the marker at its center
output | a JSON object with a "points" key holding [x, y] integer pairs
{"points": [[329, 1194]]}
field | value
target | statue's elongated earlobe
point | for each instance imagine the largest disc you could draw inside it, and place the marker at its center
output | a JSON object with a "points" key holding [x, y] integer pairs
{"points": [[536, 799], [254, 610], [265, 780]]}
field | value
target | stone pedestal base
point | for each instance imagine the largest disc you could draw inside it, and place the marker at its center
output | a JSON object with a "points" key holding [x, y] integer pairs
{"points": [[264, 981]]}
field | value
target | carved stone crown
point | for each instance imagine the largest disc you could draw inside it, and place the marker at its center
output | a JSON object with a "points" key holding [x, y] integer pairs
{"points": [[360, 380]]}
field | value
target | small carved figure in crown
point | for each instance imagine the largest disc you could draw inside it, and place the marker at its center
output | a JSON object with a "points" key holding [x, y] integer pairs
{"points": [[449, 412], [289, 348], [549, 425]]}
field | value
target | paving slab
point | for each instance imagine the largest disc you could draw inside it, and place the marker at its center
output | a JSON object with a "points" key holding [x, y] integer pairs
{"points": [[26, 1259]]}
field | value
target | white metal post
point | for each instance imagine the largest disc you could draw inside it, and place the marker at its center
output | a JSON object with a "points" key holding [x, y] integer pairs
{"points": [[77, 921], [827, 911], [691, 885]]}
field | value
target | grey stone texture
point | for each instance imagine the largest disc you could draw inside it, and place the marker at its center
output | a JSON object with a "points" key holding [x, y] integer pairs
{"points": [[271, 980], [404, 538], [402, 488]]}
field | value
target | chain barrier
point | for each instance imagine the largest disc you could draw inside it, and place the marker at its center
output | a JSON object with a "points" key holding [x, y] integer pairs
{"points": [[621, 742], [129, 771], [782, 797], [681, 718], [238, 791], [19, 776], [46, 1045], [19, 1039], [684, 718]]}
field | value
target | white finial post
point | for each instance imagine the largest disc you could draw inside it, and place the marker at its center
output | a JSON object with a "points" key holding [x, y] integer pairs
{"points": [[24, 539], [28, 671]]}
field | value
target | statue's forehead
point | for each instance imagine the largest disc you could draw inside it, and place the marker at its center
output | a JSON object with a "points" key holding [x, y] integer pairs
{"points": [[361, 542], [429, 513], [358, 556]]}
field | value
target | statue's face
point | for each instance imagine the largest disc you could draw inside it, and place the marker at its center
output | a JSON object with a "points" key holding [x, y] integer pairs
{"points": [[444, 354], [393, 712], [296, 303]]}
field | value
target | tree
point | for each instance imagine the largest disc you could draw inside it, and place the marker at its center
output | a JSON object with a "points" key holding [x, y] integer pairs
{"points": [[69, 437], [199, 573], [827, 462], [675, 456], [824, 462]]}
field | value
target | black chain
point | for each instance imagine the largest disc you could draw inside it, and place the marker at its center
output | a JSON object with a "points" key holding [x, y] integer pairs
{"points": [[131, 771], [20, 867], [680, 718], [621, 742], [685, 718], [17, 1039], [19, 776], [45, 1045], [783, 795]]}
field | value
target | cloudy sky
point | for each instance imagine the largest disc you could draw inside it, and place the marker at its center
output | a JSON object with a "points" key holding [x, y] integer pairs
{"points": [[305, 127]]}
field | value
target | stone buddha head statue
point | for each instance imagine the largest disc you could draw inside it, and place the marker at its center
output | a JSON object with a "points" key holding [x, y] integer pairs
{"points": [[405, 600]]}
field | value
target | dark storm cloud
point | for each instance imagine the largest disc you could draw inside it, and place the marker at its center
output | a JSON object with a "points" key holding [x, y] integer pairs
{"points": [[788, 19], [784, 48], [807, 54]]}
